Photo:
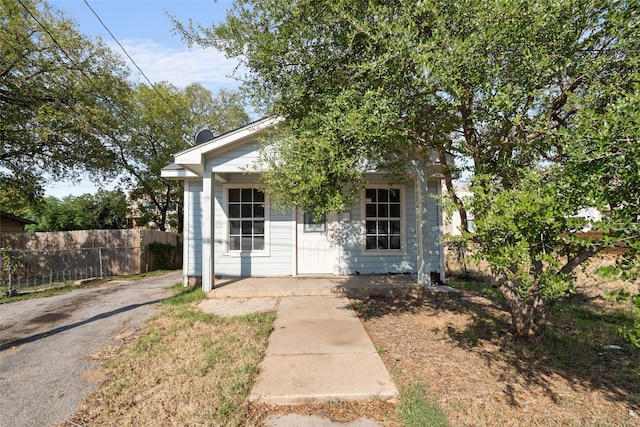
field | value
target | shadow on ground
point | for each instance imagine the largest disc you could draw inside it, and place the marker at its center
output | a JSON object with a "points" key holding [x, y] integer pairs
{"points": [[573, 346]]}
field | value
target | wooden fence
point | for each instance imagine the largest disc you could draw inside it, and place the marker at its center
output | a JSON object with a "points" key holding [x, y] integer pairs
{"points": [[89, 253]]}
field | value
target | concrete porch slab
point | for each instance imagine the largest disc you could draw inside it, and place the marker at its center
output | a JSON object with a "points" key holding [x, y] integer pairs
{"points": [[388, 285]]}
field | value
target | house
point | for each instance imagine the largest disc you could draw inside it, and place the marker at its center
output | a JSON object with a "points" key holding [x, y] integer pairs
{"points": [[10, 223], [232, 230], [453, 225]]}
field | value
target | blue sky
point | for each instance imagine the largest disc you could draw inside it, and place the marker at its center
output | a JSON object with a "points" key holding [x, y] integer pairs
{"points": [[145, 31]]}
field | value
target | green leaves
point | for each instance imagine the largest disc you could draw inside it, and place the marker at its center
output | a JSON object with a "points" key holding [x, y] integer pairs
{"points": [[60, 97], [104, 210], [629, 332], [541, 99], [149, 140]]}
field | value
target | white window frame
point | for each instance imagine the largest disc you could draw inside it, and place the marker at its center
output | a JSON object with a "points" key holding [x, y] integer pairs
{"points": [[363, 223], [226, 228]]}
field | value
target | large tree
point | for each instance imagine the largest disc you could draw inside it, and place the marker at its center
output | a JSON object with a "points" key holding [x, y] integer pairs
{"points": [[540, 96], [164, 120], [103, 210], [60, 98]]}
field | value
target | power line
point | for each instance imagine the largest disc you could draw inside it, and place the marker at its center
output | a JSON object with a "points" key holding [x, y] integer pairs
{"points": [[129, 56], [55, 41]]}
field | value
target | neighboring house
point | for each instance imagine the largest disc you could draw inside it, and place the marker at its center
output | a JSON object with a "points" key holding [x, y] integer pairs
{"points": [[231, 229], [453, 225], [10, 223], [591, 215]]}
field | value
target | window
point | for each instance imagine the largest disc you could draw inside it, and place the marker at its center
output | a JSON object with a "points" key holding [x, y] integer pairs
{"points": [[314, 225], [383, 219], [246, 213]]}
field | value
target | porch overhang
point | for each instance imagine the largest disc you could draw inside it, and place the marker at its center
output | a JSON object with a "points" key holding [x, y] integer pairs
{"points": [[177, 172]]}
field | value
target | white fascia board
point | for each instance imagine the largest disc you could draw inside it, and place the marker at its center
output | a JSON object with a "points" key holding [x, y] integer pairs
{"points": [[175, 171]]}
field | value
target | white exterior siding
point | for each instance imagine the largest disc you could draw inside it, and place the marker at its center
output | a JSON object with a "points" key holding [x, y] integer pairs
{"points": [[238, 159], [211, 169], [354, 259], [277, 261], [193, 225]]}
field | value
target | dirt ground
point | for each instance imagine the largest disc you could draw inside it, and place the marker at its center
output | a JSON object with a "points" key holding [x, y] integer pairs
{"points": [[461, 347], [485, 379]]}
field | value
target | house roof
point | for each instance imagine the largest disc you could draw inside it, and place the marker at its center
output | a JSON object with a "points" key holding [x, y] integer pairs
{"points": [[190, 163], [6, 215]]}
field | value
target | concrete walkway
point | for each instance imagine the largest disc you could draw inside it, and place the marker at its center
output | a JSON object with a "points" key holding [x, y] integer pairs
{"points": [[317, 352]]}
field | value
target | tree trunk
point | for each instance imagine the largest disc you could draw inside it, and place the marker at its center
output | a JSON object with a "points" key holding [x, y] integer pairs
{"points": [[451, 190], [180, 218], [529, 315]]}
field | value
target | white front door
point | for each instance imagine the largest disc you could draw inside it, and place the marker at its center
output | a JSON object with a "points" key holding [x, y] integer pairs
{"points": [[315, 252]]}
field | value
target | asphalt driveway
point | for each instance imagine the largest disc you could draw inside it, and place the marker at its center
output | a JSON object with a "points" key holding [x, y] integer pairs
{"points": [[46, 344]]}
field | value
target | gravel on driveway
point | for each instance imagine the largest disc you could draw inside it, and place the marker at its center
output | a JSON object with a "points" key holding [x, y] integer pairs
{"points": [[46, 345]]}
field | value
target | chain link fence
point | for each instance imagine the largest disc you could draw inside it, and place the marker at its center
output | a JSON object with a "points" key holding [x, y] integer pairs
{"points": [[23, 270]]}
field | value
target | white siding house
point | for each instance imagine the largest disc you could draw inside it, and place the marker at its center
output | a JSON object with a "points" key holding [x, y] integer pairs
{"points": [[232, 230]]}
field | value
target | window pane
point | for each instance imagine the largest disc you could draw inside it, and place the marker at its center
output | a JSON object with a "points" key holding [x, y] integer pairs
{"points": [[247, 194], [370, 194], [383, 195], [247, 210], [258, 227], [394, 227], [234, 194], [247, 227], [247, 243], [383, 211], [371, 211], [394, 210], [371, 242], [372, 227], [234, 243], [394, 242], [234, 210], [258, 243], [383, 227], [258, 196], [234, 227], [394, 195], [258, 211], [383, 242]]}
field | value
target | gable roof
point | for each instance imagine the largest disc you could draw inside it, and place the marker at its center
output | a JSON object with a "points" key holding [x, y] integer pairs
{"points": [[190, 163], [7, 215]]}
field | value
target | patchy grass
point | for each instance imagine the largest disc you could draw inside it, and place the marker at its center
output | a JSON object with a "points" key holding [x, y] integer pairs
{"points": [[418, 409], [481, 287], [187, 368], [64, 287], [453, 357], [38, 294], [462, 347], [153, 273]]}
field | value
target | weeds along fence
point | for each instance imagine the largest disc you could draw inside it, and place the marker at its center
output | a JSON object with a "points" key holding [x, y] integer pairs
{"points": [[31, 261]]}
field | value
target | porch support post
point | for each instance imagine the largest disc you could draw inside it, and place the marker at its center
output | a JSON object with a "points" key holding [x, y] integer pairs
{"points": [[422, 225], [208, 241], [294, 235], [186, 233]]}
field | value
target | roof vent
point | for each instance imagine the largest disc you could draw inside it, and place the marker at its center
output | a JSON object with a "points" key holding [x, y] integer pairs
{"points": [[204, 136]]}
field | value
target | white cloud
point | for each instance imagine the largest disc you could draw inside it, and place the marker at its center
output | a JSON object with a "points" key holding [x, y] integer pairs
{"points": [[181, 67]]}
